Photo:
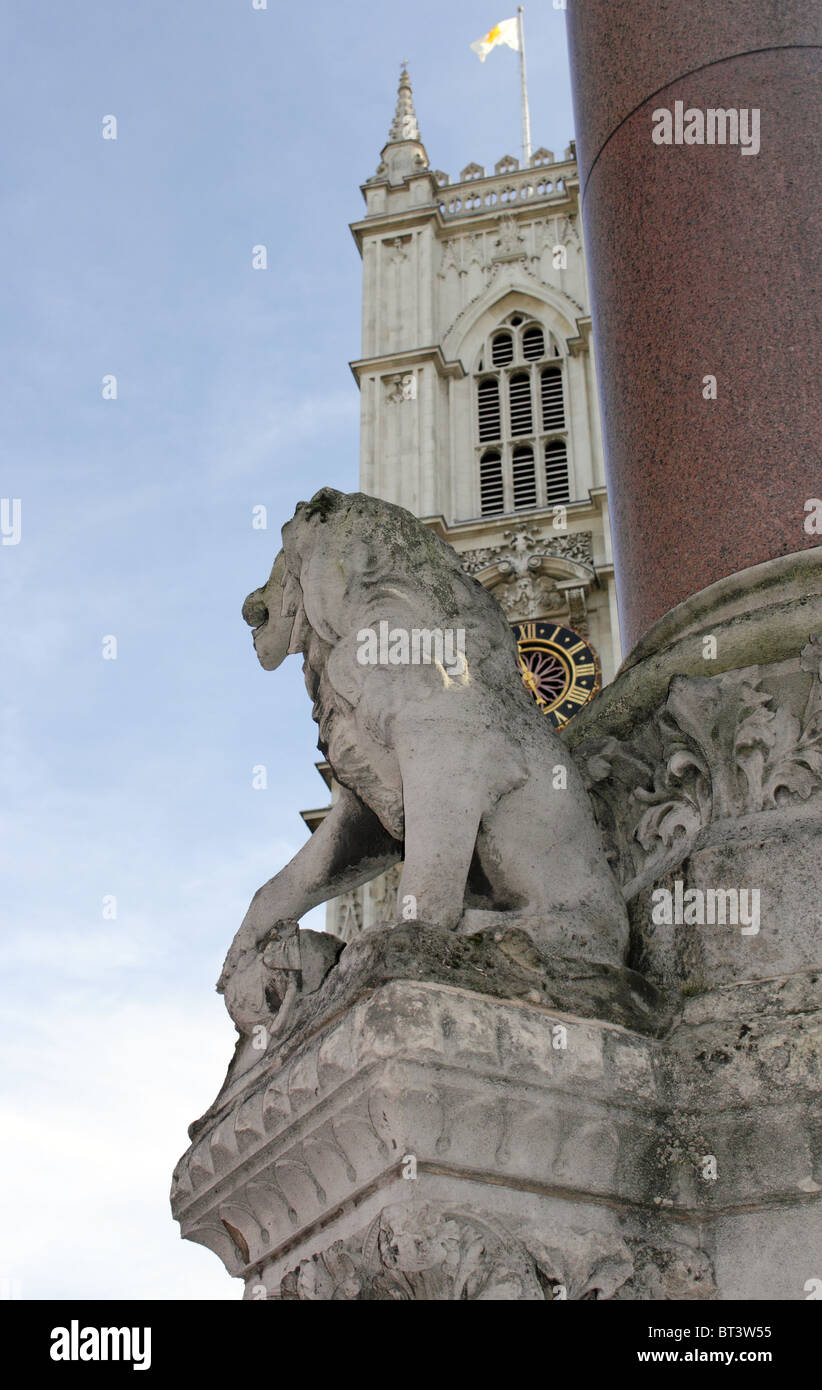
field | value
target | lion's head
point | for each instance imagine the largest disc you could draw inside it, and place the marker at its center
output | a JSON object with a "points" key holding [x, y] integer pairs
{"points": [[350, 560]]}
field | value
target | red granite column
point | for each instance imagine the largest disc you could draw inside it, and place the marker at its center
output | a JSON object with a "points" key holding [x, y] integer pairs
{"points": [[705, 262]]}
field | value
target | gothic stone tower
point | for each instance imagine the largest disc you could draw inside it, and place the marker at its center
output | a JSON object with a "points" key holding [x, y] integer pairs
{"points": [[479, 405]]}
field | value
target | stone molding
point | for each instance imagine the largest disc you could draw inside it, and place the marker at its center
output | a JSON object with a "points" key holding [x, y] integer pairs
{"points": [[412, 1068], [529, 542], [766, 611], [511, 274]]}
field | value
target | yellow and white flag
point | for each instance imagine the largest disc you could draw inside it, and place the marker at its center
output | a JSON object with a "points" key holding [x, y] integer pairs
{"points": [[507, 32]]}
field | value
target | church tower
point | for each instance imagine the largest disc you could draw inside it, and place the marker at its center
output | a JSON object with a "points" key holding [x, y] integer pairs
{"points": [[478, 394], [479, 407]]}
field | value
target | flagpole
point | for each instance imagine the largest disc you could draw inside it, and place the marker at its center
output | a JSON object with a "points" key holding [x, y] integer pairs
{"points": [[526, 119]]}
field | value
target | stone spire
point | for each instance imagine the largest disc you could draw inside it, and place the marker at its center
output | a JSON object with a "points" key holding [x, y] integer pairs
{"points": [[404, 154], [404, 126]]}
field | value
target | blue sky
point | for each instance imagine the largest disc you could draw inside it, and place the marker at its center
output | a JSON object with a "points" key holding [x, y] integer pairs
{"points": [[133, 777]]}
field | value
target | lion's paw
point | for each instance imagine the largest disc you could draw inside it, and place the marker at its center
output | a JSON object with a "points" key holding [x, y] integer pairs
{"points": [[243, 985]]}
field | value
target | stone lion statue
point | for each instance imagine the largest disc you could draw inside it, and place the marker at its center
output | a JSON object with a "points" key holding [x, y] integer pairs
{"points": [[443, 758]]}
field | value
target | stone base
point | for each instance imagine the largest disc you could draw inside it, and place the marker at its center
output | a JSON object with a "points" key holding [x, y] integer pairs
{"points": [[434, 1143]]}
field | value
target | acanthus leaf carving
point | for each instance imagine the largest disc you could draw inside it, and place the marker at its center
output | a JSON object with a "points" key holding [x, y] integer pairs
{"points": [[526, 541], [433, 1253], [719, 748]]}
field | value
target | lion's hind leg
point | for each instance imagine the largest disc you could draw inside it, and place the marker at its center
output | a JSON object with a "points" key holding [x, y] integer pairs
{"points": [[442, 814], [539, 850]]}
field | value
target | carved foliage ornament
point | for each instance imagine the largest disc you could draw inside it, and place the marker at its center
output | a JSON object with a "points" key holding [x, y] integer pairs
{"points": [[516, 240], [510, 244], [401, 387], [719, 748], [521, 582], [433, 1254], [517, 546], [419, 1255]]}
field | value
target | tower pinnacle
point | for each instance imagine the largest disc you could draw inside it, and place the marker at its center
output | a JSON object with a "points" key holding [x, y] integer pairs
{"points": [[404, 126], [404, 153]]}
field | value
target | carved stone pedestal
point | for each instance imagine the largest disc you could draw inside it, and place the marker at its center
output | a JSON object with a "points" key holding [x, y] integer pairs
{"points": [[433, 1143], [430, 1143]]}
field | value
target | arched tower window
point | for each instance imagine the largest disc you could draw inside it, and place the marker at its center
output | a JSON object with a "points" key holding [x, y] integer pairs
{"points": [[502, 349], [533, 343], [520, 409]]}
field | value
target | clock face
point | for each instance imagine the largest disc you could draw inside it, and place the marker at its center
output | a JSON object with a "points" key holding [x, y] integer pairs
{"points": [[559, 667]]}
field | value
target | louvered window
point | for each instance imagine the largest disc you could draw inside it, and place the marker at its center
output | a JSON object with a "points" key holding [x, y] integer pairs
{"points": [[520, 398], [491, 495], [489, 412], [556, 472], [502, 350], [553, 408], [520, 412], [533, 343], [524, 477]]}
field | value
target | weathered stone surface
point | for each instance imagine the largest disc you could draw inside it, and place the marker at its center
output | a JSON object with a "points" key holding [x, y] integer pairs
{"points": [[486, 1095], [443, 760], [719, 789], [413, 1252], [439, 1253], [542, 1131], [502, 963]]}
